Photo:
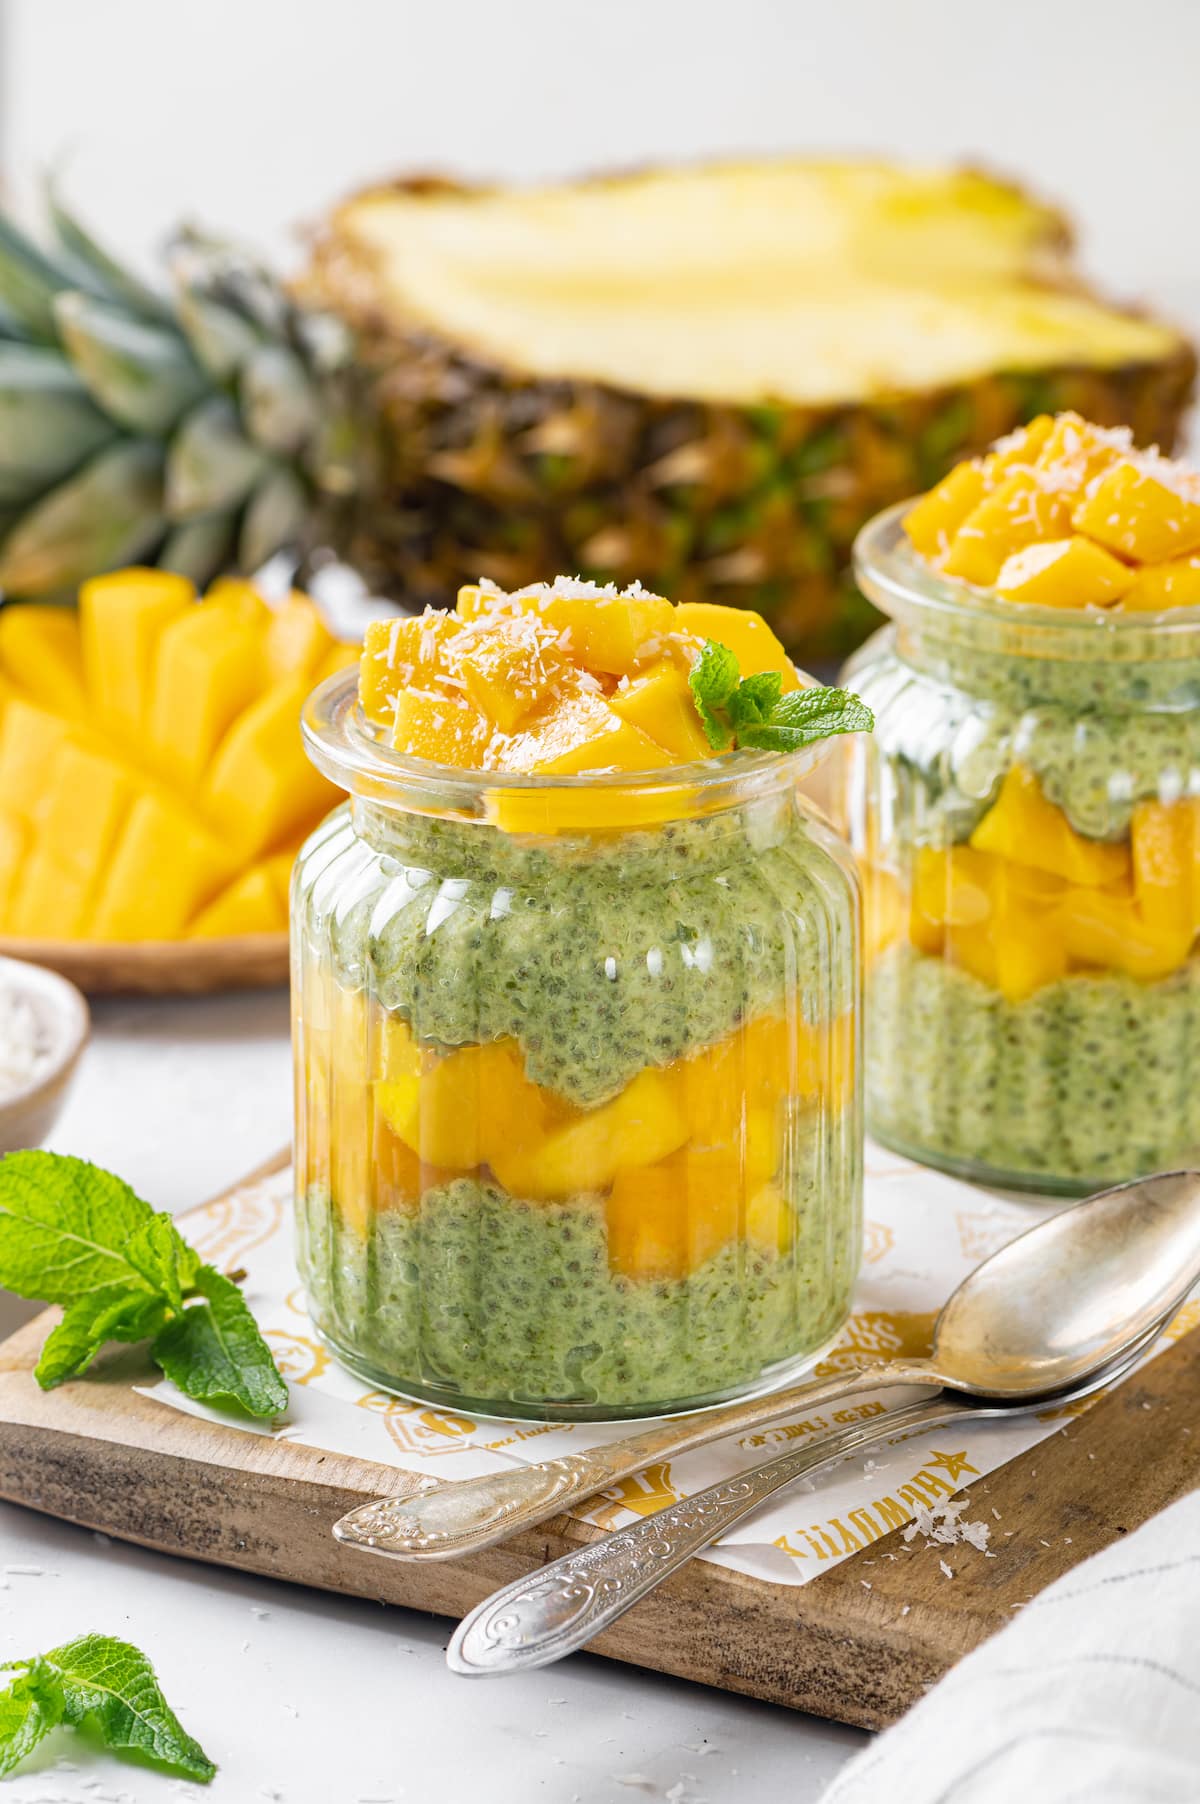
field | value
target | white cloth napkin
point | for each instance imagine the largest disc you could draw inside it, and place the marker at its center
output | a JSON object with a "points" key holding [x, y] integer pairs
{"points": [[1090, 1696]]}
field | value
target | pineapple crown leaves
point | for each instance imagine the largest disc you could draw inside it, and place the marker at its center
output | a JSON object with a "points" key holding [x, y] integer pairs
{"points": [[196, 429], [752, 713]]}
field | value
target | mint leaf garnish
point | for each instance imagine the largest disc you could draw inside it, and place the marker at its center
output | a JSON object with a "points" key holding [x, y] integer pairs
{"points": [[111, 1683], [807, 715], [714, 679], [75, 1235], [29, 1709], [755, 714], [215, 1353]]}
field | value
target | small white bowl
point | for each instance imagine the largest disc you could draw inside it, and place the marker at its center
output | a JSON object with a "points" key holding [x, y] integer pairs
{"points": [[27, 1115]]}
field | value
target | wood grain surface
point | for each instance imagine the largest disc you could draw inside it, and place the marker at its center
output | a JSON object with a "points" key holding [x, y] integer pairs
{"points": [[161, 967], [859, 1643]]}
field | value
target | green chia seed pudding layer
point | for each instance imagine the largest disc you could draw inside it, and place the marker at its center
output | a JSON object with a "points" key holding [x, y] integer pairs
{"points": [[1088, 1082], [479, 1299], [600, 958]]}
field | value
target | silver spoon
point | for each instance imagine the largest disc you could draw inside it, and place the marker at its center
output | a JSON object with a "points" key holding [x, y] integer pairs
{"points": [[1048, 1309], [559, 1609]]}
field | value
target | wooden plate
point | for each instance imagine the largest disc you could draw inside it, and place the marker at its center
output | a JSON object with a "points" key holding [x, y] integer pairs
{"points": [[248, 961]]}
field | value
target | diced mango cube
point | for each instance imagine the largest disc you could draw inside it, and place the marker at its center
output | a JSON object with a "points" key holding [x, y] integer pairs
{"points": [[242, 599], [578, 731], [509, 667], [1025, 828], [401, 654], [932, 522], [642, 1125], [1108, 931], [262, 786], [1165, 841], [1064, 573], [166, 866], [746, 633], [207, 670], [1143, 515], [40, 650], [1021, 449], [121, 617], [461, 1109], [612, 633], [1175, 584], [1074, 450], [1020, 510], [660, 703], [250, 904], [442, 725], [952, 887]]}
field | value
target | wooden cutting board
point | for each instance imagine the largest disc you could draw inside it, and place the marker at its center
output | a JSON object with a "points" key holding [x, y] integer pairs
{"points": [[859, 1644]]}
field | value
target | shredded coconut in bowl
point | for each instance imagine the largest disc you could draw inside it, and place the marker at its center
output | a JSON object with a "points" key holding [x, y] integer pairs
{"points": [[25, 1044]]}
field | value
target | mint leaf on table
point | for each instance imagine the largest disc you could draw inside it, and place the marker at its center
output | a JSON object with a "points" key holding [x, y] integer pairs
{"points": [[75, 1235], [109, 1682], [64, 1227], [29, 1709], [117, 1313], [215, 1353], [753, 713]]}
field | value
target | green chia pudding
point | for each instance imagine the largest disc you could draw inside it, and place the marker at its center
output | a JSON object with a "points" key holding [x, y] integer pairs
{"points": [[1093, 1078], [599, 958]]}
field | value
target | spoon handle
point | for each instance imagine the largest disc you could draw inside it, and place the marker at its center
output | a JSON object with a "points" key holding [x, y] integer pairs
{"points": [[447, 1520], [557, 1610]]}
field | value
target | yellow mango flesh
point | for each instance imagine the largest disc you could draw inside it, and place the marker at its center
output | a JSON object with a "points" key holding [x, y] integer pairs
{"points": [[207, 672], [660, 704], [40, 651], [1109, 932], [164, 869], [1174, 584], [509, 667], [49, 902], [250, 904], [746, 634], [932, 522], [401, 654], [440, 725], [1020, 449], [296, 642], [578, 731], [1074, 451], [1019, 511], [30, 739], [121, 617], [14, 842], [88, 796], [1064, 573], [262, 785], [1025, 828], [1132, 512], [640, 1126]]}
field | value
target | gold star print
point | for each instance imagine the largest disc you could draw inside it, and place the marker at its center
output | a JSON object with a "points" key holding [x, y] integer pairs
{"points": [[953, 1464]]}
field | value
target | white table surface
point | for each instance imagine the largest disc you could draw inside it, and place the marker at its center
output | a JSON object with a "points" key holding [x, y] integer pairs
{"points": [[302, 1697]]}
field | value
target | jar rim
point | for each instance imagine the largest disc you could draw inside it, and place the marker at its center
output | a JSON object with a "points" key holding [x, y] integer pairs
{"points": [[901, 584], [343, 748]]}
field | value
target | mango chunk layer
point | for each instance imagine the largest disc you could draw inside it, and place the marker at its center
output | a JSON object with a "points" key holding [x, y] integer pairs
{"points": [[686, 1157], [1067, 514], [559, 680], [151, 766]]}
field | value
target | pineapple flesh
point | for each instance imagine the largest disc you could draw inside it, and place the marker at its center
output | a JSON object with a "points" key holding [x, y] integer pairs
{"points": [[711, 376]]}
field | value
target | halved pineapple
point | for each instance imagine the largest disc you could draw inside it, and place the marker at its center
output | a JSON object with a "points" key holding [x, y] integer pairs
{"points": [[710, 377]]}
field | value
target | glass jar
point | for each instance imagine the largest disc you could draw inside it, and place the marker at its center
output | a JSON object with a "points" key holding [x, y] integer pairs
{"points": [[577, 1078], [1026, 818]]}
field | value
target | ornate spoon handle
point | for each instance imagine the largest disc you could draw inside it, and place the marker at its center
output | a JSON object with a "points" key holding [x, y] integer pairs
{"points": [[446, 1520], [538, 1619]]}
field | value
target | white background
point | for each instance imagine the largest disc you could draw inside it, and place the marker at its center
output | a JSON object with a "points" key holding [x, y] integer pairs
{"points": [[251, 116]]}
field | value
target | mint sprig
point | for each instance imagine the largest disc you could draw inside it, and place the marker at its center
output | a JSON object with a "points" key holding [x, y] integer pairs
{"points": [[78, 1236], [99, 1679], [753, 712]]}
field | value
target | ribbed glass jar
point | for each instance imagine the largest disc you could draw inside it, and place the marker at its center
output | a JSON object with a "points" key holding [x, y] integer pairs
{"points": [[577, 1079], [1026, 816]]}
